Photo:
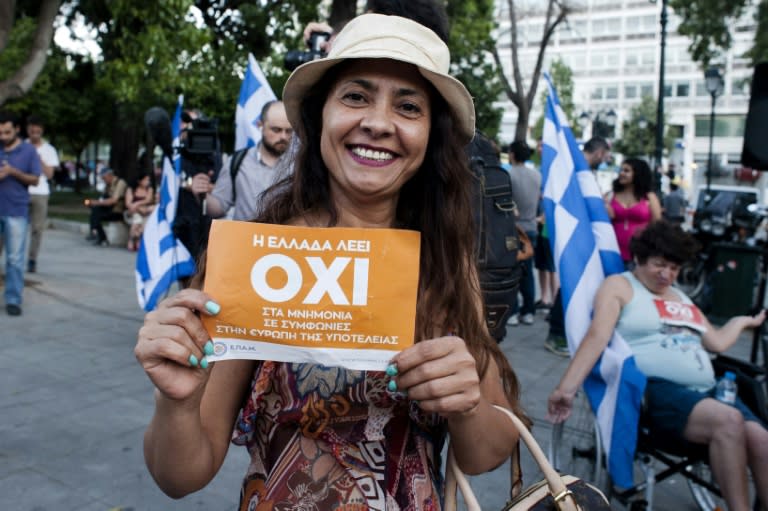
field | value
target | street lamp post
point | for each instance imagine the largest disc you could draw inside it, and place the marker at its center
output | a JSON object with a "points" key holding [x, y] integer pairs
{"points": [[603, 123], [583, 122], [714, 83], [660, 103], [608, 118]]}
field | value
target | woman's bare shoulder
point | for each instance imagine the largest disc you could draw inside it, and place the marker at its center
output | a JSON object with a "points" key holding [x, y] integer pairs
{"points": [[617, 285]]}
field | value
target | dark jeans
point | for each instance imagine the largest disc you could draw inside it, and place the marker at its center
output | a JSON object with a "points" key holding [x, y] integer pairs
{"points": [[101, 214], [557, 317], [527, 284]]}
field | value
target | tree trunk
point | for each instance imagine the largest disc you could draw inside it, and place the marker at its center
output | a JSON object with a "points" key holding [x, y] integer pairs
{"points": [[521, 128], [124, 143], [24, 77], [7, 15]]}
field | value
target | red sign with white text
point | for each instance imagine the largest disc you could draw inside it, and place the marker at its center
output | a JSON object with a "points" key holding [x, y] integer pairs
{"points": [[680, 314]]}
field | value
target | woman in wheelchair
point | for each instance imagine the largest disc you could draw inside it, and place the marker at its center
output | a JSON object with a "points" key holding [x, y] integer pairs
{"points": [[669, 338]]}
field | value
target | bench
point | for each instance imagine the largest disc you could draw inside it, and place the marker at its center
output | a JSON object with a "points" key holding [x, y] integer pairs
{"points": [[117, 232]]}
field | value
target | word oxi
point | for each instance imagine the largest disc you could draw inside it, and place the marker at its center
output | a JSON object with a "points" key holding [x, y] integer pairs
{"points": [[327, 279]]}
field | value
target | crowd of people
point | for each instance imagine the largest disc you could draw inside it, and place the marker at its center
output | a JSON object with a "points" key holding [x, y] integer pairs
{"points": [[372, 136]]}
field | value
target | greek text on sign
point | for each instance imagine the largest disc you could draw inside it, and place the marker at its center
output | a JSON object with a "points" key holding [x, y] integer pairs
{"points": [[333, 296], [680, 314]]}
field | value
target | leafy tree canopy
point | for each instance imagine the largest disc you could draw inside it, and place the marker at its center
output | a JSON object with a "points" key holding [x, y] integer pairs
{"points": [[638, 133], [152, 51], [562, 79], [709, 24]]}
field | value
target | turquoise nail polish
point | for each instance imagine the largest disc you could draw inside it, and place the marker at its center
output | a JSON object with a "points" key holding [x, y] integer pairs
{"points": [[193, 361], [392, 386], [391, 370], [204, 363], [212, 307], [208, 348]]}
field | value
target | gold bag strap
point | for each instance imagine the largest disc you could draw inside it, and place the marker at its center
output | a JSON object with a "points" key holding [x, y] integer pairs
{"points": [[455, 478]]}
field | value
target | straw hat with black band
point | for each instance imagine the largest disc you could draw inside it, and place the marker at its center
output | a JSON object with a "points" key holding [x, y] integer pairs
{"points": [[376, 36]]}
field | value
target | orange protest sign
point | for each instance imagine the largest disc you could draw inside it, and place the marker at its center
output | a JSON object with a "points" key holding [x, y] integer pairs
{"points": [[333, 296]]}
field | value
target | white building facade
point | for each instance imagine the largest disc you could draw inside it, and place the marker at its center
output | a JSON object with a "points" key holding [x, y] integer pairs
{"points": [[613, 49]]}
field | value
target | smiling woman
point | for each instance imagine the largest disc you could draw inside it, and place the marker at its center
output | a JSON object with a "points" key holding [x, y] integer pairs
{"points": [[383, 129], [377, 130]]}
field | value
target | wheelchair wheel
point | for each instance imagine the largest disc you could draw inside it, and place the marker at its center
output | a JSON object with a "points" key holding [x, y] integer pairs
{"points": [[575, 447], [706, 499]]}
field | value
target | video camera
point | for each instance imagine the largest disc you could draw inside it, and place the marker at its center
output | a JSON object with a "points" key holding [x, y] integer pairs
{"points": [[295, 58], [200, 148]]}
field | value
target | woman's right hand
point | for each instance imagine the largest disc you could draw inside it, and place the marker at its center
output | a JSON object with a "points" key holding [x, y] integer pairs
{"points": [[173, 344], [559, 405]]}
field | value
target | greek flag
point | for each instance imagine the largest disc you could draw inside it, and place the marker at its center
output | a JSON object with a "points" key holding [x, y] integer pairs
{"points": [[162, 259], [254, 93], [585, 250]]}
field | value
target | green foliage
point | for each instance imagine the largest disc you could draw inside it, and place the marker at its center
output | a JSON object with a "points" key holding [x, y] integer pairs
{"points": [[708, 24], [66, 96], [759, 52], [562, 79], [18, 43], [637, 141], [152, 51], [470, 42]]}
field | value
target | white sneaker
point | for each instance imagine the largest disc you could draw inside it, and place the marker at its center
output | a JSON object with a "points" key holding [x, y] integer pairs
{"points": [[513, 321], [527, 319]]}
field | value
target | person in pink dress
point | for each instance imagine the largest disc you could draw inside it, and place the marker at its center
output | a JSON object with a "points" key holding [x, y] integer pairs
{"points": [[632, 205]]}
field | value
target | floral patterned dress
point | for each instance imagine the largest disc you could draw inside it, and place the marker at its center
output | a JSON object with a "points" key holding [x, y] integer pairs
{"points": [[327, 438]]}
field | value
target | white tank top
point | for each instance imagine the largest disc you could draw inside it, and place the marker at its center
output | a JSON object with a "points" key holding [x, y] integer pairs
{"points": [[665, 337]]}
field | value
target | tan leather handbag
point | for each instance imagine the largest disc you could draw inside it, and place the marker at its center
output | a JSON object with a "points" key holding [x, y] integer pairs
{"points": [[555, 492]]}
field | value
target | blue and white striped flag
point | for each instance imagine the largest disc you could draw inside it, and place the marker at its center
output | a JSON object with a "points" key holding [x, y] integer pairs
{"points": [[585, 250], [162, 259], [255, 92]]}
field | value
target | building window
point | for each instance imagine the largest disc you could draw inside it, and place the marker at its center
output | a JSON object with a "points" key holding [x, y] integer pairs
{"points": [[740, 87], [575, 31], [648, 57], [646, 89], [611, 92], [630, 91], [682, 90], [641, 24], [725, 125]]}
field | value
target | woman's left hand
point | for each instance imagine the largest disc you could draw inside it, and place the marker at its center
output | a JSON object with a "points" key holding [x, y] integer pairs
{"points": [[441, 374], [756, 320]]}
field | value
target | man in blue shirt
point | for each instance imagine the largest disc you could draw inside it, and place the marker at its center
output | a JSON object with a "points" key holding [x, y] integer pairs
{"points": [[19, 168]]}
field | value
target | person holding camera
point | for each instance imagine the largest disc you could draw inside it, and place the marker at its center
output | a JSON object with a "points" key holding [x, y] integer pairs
{"points": [[107, 208], [257, 171], [200, 156]]}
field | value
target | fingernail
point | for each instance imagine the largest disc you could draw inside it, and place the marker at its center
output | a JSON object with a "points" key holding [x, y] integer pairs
{"points": [[208, 348], [392, 386], [193, 361], [212, 307], [391, 370], [204, 363]]}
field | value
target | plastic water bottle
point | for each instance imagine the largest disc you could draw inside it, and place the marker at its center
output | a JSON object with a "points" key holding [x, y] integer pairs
{"points": [[725, 390]]}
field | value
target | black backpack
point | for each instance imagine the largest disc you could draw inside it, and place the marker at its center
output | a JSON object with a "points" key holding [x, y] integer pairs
{"points": [[494, 213], [234, 168]]}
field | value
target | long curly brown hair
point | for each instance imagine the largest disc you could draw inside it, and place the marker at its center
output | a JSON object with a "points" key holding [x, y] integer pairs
{"points": [[435, 202]]}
